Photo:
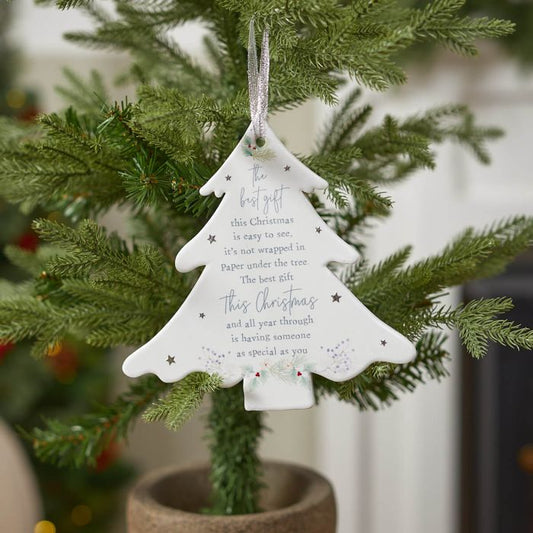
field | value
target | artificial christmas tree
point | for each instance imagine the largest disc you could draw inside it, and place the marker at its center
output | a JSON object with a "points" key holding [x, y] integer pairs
{"points": [[155, 155]]}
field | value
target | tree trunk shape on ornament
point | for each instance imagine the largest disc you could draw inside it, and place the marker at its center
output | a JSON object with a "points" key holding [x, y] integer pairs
{"points": [[266, 309]]}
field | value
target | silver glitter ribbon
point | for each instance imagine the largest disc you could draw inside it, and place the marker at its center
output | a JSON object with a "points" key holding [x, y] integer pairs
{"points": [[258, 81]]}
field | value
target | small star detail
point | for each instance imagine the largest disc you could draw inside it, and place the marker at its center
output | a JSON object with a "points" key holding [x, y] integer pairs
{"points": [[211, 239], [318, 230], [286, 168], [336, 297], [228, 178], [383, 342], [171, 360], [202, 315]]}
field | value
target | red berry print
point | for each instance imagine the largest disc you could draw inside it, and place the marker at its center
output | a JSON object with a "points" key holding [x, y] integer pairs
{"points": [[257, 375], [299, 373]]}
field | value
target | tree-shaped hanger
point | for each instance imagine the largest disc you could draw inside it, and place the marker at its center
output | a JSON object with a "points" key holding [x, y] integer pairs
{"points": [[266, 309]]}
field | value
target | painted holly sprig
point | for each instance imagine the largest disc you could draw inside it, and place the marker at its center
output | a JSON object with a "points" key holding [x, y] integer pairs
{"points": [[291, 370], [257, 148]]}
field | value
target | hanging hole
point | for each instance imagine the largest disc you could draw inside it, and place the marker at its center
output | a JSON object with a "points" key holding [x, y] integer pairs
{"points": [[260, 141]]}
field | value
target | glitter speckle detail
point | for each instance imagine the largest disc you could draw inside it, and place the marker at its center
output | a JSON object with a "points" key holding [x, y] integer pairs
{"points": [[213, 361], [339, 357]]}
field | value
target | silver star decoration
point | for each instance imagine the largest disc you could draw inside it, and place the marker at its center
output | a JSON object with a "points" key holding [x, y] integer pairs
{"points": [[211, 239], [228, 178], [336, 297], [202, 315], [318, 230], [171, 360], [383, 343], [286, 168]]}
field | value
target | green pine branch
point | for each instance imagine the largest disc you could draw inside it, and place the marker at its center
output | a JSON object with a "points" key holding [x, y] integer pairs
{"points": [[406, 298], [361, 275], [95, 289], [26, 316], [234, 435], [182, 400], [68, 164], [85, 96], [89, 250], [175, 122], [80, 441], [345, 122], [67, 4], [32, 263], [381, 384], [354, 159], [477, 324], [311, 44], [438, 21], [13, 133]]}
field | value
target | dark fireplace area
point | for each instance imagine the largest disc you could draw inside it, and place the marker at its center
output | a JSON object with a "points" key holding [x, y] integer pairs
{"points": [[497, 419]]}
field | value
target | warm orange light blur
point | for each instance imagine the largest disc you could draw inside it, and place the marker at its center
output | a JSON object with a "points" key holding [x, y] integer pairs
{"points": [[54, 349]]}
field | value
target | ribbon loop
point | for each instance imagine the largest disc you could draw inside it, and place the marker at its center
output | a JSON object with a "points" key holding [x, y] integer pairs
{"points": [[258, 81]]}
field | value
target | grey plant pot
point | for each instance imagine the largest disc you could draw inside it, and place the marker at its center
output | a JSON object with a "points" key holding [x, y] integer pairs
{"points": [[296, 500]]}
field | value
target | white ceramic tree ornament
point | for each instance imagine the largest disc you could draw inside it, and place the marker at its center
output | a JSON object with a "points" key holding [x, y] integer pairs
{"points": [[266, 309]]}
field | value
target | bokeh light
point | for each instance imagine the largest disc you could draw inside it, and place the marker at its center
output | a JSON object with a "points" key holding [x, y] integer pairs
{"points": [[15, 98], [44, 526], [81, 515]]}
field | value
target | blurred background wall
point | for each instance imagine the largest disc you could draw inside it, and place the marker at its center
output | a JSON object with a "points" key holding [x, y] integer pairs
{"points": [[398, 469]]}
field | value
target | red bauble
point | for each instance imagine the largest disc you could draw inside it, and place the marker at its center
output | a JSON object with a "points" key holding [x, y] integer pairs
{"points": [[5, 348], [107, 457], [28, 241]]}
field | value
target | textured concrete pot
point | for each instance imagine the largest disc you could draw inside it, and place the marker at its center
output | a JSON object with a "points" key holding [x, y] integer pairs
{"points": [[296, 500]]}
